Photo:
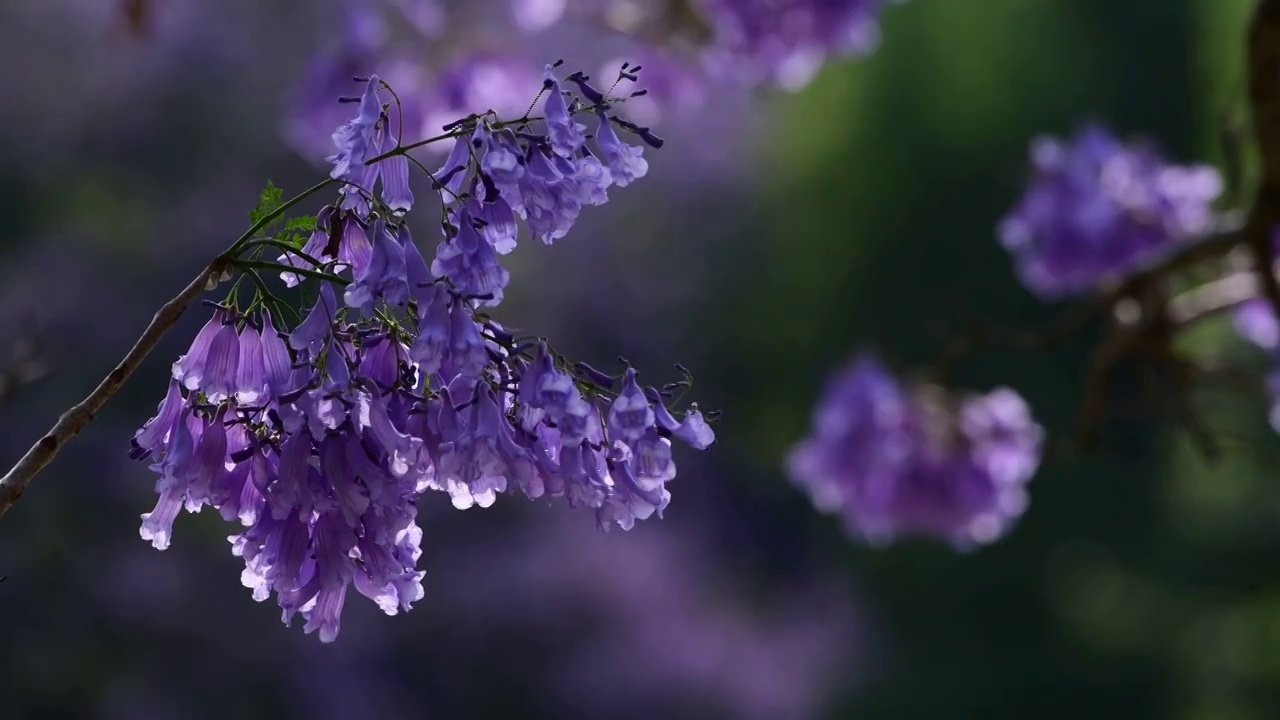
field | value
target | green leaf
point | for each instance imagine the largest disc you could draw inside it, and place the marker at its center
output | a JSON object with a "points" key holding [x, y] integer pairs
{"points": [[292, 239], [304, 223], [269, 201]]}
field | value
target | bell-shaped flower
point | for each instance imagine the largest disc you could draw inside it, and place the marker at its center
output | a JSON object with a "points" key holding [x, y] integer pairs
{"points": [[470, 263], [567, 135], [626, 162]]}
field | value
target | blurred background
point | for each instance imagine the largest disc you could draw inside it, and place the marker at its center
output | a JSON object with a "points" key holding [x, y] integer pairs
{"points": [[775, 235]]}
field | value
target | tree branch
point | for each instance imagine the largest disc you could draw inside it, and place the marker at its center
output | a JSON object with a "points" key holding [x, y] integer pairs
{"points": [[1160, 316], [1264, 100], [71, 422], [74, 420]]}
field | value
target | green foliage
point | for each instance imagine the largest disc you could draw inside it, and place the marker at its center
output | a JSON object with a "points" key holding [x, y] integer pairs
{"points": [[305, 223], [294, 231], [269, 201]]}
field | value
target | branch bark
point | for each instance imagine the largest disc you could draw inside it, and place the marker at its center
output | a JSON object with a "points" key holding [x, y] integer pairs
{"points": [[1264, 101], [71, 422]]}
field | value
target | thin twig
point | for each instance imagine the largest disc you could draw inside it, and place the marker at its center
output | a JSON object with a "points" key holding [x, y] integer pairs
{"points": [[1264, 100], [1213, 297], [71, 422]]}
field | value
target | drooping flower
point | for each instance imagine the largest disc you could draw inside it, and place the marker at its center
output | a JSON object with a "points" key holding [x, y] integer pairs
{"points": [[384, 278], [470, 263], [626, 162], [355, 140], [567, 135]]}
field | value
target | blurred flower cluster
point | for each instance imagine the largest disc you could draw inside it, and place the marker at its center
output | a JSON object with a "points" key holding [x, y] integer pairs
{"points": [[447, 59], [895, 459]]}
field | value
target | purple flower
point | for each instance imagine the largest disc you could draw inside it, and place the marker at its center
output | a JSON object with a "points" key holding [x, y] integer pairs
{"points": [[352, 243], [434, 329], [156, 430], [498, 223], [1097, 209], [190, 368], [454, 171], [630, 415], [566, 134], [355, 139], [893, 460], [384, 278], [626, 162], [591, 179], [277, 365], [251, 370], [550, 199], [470, 263], [394, 174], [468, 355], [217, 379], [315, 330], [761, 40], [503, 160]]}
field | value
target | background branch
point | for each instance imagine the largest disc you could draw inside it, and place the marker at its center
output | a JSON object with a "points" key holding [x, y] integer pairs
{"points": [[1145, 318], [1264, 100]]}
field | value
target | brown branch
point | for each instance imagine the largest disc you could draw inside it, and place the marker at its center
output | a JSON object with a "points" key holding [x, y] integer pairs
{"points": [[1264, 100], [1213, 297], [1076, 318], [74, 420], [1182, 380], [71, 422], [1149, 332]]}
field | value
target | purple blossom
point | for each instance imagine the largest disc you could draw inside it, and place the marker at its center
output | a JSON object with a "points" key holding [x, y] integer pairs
{"points": [[1096, 209], [626, 162], [761, 40], [470, 263], [503, 160], [355, 140], [313, 333], [384, 278], [394, 174], [190, 368], [893, 460], [354, 251], [498, 224], [567, 135]]}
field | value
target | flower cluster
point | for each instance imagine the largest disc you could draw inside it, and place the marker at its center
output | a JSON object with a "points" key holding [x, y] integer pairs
{"points": [[320, 440], [895, 460], [1097, 208]]}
